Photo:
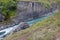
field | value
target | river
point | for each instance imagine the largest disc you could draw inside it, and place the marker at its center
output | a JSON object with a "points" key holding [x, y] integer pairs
{"points": [[11, 29]]}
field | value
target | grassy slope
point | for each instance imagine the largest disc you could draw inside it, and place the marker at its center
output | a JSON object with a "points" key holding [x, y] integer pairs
{"points": [[49, 29], [44, 30]]}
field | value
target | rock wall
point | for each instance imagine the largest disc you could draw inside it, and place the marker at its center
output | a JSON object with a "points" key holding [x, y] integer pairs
{"points": [[32, 10], [28, 11]]}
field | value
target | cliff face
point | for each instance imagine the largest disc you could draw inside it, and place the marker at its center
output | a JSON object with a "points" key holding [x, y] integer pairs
{"points": [[32, 10], [28, 11]]}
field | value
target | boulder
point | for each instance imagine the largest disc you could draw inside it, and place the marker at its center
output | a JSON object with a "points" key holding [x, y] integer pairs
{"points": [[23, 25]]}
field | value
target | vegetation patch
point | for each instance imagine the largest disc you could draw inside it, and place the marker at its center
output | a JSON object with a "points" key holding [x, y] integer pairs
{"points": [[8, 8]]}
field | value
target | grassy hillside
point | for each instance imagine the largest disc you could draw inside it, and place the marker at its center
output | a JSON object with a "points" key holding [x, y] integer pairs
{"points": [[44, 30]]}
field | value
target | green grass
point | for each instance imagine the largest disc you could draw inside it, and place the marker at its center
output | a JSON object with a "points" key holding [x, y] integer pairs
{"points": [[45, 29]]}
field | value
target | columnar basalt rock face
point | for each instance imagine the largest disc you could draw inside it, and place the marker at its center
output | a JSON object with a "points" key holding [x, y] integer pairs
{"points": [[32, 10]]}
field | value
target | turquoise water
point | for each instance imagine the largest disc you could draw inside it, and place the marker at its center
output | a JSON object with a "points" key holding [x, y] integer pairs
{"points": [[2, 33], [38, 19]]}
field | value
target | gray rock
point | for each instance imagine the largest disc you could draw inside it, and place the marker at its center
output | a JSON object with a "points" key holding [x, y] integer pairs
{"points": [[1, 17], [32, 10], [23, 25]]}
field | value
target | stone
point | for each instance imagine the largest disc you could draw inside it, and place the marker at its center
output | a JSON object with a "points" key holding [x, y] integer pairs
{"points": [[23, 25]]}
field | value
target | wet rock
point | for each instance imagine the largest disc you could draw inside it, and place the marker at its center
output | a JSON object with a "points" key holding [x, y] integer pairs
{"points": [[23, 25], [4, 26]]}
